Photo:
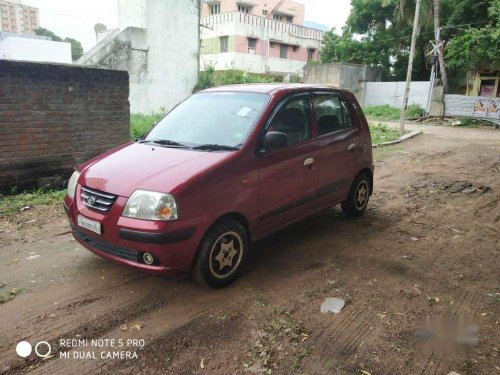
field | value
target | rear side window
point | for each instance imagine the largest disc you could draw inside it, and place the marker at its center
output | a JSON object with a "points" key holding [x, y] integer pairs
{"points": [[332, 113]]}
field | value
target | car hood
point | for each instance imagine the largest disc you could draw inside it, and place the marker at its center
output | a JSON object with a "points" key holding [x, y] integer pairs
{"points": [[141, 166]]}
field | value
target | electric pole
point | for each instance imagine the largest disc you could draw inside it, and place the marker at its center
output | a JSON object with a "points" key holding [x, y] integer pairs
{"points": [[410, 68]]}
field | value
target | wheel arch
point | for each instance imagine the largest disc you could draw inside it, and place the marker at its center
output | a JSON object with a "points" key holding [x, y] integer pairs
{"points": [[369, 172], [236, 216]]}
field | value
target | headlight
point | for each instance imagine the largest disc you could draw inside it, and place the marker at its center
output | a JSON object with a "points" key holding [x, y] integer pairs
{"points": [[150, 205], [72, 184]]}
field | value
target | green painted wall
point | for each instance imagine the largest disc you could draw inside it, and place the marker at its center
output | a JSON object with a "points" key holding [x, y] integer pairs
{"points": [[212, 45]]}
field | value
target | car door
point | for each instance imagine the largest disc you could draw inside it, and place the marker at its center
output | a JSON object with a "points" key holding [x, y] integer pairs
{"points": [[288, 177], [338, 136]]}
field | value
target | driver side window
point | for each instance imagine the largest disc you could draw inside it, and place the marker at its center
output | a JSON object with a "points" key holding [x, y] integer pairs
{"points": [[293, 119]]}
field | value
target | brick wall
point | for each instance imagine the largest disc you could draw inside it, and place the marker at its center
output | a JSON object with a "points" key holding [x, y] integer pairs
{"points": [[55, 117]]}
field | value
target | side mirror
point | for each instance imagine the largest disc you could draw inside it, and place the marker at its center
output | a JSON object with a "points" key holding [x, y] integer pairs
{"points": [[275, 140]]}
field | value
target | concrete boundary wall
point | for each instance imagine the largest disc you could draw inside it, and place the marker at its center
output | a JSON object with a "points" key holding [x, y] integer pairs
{"points": [[391, 93]]}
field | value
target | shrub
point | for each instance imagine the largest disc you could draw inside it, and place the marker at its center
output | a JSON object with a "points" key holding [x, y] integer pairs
{"points": [[205, 79], [390, 113], [140, 124], [415, 111], [383, 111], [382, 133], [210, 77]]}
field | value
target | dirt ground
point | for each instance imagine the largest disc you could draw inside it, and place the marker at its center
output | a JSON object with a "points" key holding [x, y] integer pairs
{"points": [[427, 246]]}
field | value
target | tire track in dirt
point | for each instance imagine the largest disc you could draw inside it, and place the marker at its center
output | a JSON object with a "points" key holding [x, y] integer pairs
{"points": [[439, 363]]}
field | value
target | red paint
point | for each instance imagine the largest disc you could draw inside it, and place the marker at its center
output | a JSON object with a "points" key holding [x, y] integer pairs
{"points": [[269, 190]]}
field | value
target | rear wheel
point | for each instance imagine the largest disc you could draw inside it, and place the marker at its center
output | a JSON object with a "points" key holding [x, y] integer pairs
{"points": [[358, 197], [222, 254]]}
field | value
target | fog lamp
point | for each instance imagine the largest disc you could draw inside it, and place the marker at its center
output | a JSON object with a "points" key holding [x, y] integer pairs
{"points": [[148, 258]]}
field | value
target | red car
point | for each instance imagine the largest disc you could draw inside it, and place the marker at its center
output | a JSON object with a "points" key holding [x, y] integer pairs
{"points": [[226, 167]]}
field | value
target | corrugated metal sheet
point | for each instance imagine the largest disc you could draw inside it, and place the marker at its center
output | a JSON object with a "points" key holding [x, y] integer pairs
{"points": [[462, 105]]}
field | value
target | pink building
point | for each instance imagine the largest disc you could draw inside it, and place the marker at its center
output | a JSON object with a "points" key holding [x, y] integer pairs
{"points": [[287, 11], [258, 36]]}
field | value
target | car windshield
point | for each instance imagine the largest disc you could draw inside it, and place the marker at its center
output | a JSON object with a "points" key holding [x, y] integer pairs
{"points": [[211, 120]]}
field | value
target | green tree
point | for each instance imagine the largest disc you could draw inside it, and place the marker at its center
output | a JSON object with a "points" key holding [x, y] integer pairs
{"points": [[378, 33], [478, 45], [374, 36], [76, 46], [430, 14], [45, 32]]}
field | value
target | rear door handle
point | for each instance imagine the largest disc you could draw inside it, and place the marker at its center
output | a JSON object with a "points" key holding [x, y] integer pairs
{"points": [[308, 162], [352, 146]]}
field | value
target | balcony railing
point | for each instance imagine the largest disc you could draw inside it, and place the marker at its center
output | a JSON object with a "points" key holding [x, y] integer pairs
{"points": [[262, 22]]}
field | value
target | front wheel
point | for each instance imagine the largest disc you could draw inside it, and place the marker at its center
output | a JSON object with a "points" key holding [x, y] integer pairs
{"points": [[222, 254], [358, 197]]}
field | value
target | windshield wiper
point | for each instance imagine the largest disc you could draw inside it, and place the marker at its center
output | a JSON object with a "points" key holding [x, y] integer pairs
{"points": [[209, 147], [165, 142]]}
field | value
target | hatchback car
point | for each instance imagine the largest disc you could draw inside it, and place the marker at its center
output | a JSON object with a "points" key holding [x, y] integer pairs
{"points": [[226, 167]]}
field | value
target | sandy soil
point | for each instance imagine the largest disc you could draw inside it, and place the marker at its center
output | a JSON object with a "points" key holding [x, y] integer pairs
{"points": [[424, 248]]}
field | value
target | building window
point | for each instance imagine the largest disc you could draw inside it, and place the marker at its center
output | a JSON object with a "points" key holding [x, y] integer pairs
{"points": [[252, 45], [283, 51], [243, 9], [224, 44], [215, 9], [277, 17], [264, 12], [289, 19], [310, 54]]}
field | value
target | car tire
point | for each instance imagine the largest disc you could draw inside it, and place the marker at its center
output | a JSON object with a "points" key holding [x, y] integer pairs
{"points": [[222, 254], [359, 195]]}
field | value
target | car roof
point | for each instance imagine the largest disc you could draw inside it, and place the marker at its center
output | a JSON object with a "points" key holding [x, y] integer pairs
{"points": [[268, 88]]}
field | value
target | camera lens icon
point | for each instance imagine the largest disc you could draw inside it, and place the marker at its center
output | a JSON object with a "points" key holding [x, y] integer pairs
{"points": [[23, 349], [42, 349]]}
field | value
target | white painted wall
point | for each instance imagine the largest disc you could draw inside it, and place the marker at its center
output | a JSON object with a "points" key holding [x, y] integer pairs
{"points": [[172, 42], [39, 50], [391, 93], [251, 63], [131, 13]]}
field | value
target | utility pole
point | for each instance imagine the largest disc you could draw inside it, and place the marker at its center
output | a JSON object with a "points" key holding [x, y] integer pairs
{"points": [[436, 50], [410, 67]]}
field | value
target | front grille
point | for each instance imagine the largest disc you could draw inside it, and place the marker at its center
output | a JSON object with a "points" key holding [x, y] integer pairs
{"points": [[108, 248], [97, 200]]}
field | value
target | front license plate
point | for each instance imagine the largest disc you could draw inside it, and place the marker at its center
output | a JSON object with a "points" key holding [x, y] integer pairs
{"points": [[91, 225]]}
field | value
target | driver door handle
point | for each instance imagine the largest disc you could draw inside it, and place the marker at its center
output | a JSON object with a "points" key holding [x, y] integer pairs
{"points": [[352, 146]]}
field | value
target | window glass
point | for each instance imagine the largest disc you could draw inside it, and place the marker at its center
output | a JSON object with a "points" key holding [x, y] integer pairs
{"points": [[215, 9], [332, 114], [310, 54], [283, 51], [293, 120], [221, 118], [224, 42], [252, 42]]}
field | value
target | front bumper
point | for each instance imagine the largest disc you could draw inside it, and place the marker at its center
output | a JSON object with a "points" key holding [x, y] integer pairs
{"points": [[124, 240]]}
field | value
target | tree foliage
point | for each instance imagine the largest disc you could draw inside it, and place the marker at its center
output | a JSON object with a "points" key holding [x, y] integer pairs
{"points": [[76, 46], [477, 45], [378, 33]]}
